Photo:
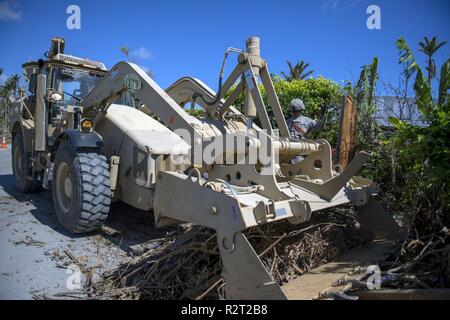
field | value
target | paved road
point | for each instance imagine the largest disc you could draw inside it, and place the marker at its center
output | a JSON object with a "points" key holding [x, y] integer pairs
{"points": [[33, 245]]}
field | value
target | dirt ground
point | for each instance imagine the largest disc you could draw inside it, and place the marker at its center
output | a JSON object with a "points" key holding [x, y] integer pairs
{"points": [[35, 251]]}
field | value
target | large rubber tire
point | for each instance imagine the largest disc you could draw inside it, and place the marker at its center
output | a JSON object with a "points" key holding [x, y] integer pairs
{"points": [[21, 166], [81, 189]]}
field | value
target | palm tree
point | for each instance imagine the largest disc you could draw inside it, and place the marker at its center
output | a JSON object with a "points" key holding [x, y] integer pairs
{"points": [[15, 82], [429, 48], [12, 84], [9, 86], [2, 93], [126, 52], [1, 74], [297, 72]]}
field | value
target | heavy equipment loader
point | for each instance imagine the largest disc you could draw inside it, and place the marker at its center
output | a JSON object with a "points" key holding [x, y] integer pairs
{"points": [[94, 136]]}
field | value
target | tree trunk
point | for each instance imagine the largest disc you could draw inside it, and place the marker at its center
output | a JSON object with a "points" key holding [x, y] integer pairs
{"points": [[346, 144]]}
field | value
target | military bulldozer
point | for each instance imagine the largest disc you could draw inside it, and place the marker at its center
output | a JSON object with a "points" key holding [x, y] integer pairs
{"points": [[95, 136]]}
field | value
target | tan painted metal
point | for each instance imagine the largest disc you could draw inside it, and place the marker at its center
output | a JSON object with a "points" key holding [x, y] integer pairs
{"points": [[155, 165], [229, 197], [114, 173], [40, 118]]}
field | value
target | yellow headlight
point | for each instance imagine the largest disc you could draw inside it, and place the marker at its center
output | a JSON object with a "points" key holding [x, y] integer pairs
{"points": [[87, 124]]}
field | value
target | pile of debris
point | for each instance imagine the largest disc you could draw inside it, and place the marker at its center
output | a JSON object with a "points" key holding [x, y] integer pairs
{"points": [[420, 263], [186, 264], [419, 268]]}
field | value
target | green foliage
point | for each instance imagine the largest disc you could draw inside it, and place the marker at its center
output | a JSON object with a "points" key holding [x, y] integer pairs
{"points": [[423, 164], [365, 88], [444, 85], [196, 112], [322, 98], [422, 87], [411, 163], [429, 48], [8, 88], [422, 152]]}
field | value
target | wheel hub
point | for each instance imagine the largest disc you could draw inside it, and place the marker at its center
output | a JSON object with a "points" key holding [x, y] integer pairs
{"points": [[68, 187], [18, 160], [64, 187]]}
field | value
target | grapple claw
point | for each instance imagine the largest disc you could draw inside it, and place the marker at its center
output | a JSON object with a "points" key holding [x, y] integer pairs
{"points": [[373, 215], [246, 276]]}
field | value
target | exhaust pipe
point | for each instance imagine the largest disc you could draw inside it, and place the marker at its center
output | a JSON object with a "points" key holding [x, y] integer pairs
{"points": [[40, 117]]}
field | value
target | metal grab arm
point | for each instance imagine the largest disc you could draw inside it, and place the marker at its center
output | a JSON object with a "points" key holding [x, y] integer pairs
{"points": [[330, 188], [147, 91], [183, 90]]}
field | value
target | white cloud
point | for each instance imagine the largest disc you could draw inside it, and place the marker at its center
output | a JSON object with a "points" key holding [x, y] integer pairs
{"points": [[10, 11], [141, 53], [330, 5], [333, 5]]}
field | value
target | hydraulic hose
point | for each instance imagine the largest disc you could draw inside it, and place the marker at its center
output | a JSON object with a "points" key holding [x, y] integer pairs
{"points": [[219, 90]]}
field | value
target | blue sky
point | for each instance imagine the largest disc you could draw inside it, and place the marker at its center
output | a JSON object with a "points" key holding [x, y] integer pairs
{"points": [[188, 38]]}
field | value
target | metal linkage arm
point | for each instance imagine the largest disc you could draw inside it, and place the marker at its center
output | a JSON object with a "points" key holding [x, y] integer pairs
{"points": [[184, 89], [128, 76], [274, 102]]}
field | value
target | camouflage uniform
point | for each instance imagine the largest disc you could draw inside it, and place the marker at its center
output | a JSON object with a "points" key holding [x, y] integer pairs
{"points": [[299, 127]]}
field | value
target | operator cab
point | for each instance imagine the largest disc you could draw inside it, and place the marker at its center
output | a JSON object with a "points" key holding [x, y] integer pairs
{"points": [[69, 79], [74, 83]]}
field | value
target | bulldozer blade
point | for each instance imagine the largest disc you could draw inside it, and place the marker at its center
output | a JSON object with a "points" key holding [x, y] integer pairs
{"points": [[373, 215], [245, 275]]}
